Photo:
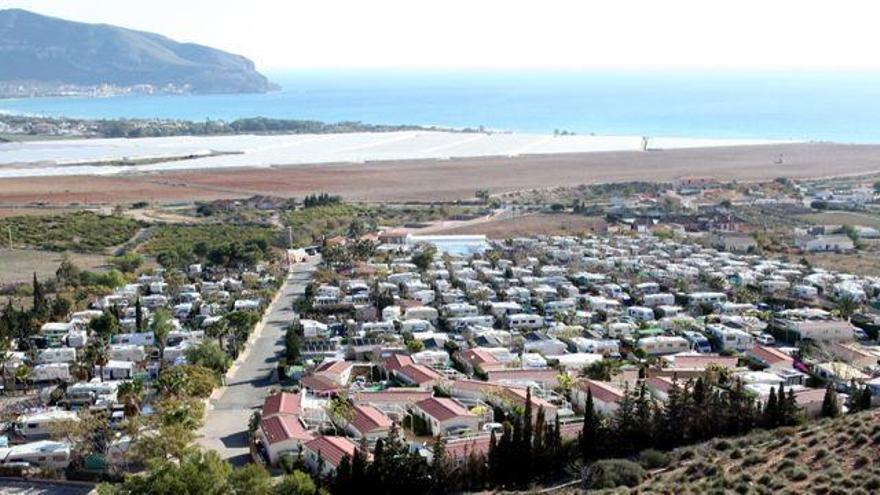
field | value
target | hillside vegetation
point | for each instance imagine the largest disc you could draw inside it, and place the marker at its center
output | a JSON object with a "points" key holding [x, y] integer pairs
{"points": [[832, 456]]}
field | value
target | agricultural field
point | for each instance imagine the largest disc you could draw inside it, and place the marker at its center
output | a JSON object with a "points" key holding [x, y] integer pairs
{"points": [[83, 232], [530, 225], [19, 265], [166, 238], [842, 218]]}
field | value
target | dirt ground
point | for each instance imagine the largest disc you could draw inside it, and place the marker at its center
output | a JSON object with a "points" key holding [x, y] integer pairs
{"points": [[529, 225], [445, 180], [19, 265]]}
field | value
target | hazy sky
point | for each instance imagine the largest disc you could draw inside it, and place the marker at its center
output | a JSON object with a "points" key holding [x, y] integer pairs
{"points": [[559, 34]]}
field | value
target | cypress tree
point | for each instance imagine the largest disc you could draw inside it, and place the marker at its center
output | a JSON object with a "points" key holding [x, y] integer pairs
{"points": [[589, 438], [40, 307], [771, 410], [830, 403], [342, 482], [538, 447], [525, 460], [492, 459], [138, 315]]}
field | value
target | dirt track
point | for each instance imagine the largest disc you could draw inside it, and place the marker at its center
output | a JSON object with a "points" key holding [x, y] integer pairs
{"points": [[432, 180]]}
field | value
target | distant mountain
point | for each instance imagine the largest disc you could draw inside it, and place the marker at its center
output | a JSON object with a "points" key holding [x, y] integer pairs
{"points": [[50, 51]]}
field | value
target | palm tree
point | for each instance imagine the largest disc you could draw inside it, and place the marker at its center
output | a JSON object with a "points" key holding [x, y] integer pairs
{"points": [[161, 327], [5, 357], [218, 330], [846, 306], [130, 393], [96, 353]]}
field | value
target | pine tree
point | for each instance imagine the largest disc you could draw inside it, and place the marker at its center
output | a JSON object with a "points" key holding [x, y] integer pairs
{"points": [[625, 425], [643, 417], [830, 404], [671, 421]]}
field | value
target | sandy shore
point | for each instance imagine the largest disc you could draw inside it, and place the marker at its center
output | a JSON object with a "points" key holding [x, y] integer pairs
{"points": [[436, 180]]}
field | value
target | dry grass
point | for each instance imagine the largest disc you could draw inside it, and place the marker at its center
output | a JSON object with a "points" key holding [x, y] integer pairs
{"points": [[19, 265], [842, 218], [530, 225]]}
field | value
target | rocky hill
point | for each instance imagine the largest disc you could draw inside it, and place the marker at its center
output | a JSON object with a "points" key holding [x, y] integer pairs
{"points": [[831, 456], [47, 52]]}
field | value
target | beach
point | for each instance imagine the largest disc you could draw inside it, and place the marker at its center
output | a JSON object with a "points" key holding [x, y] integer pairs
{"points": [[127, 156], [425, 180]]}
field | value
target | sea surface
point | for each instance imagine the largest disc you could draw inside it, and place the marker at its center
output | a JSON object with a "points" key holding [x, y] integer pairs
{"points": [[841, 107]]}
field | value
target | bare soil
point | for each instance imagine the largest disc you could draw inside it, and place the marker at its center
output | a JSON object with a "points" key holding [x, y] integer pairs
{"points": [[447, 180]]}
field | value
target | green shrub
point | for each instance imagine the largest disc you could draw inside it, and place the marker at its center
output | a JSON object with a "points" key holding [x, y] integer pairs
{"points": [[613, 473], [653, 459]]}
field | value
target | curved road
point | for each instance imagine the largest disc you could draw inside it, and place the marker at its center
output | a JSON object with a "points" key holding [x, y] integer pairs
{"points": [[226, 420]]}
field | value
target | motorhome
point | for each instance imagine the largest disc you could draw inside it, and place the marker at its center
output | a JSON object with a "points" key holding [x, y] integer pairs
{"points": [[640, 313], [730, 339], [663, 344], [39, 424], [56, 355], [524, 321], [698, 341], [47, 454]]}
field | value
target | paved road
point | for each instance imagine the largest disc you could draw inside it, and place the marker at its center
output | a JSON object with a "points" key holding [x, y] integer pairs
{"points": [[226, 422]]}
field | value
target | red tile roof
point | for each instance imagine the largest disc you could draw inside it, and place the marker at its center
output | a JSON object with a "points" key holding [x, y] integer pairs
{"points": [[419, 373], [391, 396], [334, 368], [282, 428], [771, 356], [602, 391], [331, 449], [397, 361], [547, 376], [319, 383], [282, 403], [461, 449], [661, 383], [368, 419], [704, 361], [809, 396], [520, 395], [478, 357], [442, 409], [476, 386]]}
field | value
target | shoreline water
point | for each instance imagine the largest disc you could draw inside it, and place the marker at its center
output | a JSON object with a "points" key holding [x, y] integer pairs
{"points": [[822, 107]]}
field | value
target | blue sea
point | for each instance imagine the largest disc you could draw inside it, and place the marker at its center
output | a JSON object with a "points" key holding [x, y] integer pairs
{"points": [[842, 107]]}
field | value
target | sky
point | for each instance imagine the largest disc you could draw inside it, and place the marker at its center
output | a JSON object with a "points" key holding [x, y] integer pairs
{"points": [[507, 34]]}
